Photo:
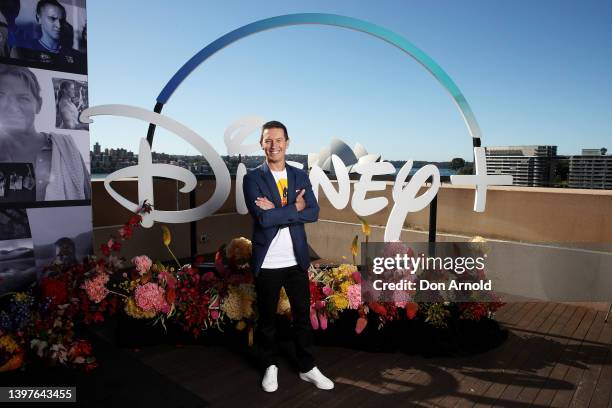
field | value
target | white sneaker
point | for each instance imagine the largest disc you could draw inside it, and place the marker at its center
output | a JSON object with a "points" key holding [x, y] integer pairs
{"points": [[318, 379], [270, 382]]}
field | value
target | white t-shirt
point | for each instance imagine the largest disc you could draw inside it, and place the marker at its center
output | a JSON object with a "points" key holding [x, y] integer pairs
{"points": [[280, 253]]}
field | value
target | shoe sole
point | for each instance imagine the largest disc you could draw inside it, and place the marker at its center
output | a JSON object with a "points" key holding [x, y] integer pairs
{"points": [[315, 384]]}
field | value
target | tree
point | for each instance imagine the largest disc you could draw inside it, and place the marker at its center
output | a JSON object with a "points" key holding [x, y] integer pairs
{"points": [[467, 169], [456, 163]]}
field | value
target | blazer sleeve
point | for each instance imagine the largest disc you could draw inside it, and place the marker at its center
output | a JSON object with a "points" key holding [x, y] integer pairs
{"points": [[266, 218], [311, 212]]}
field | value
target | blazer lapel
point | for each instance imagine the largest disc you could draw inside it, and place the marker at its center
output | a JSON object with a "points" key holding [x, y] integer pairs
{"points": [[271, 183], [290, 184]]}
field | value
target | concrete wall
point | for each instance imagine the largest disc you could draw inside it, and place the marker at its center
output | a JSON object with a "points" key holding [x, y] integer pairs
{"points": [[565, 217], [524, 214]]}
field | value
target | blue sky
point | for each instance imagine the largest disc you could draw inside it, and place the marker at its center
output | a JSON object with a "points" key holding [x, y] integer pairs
{"points": [[533, 73]]}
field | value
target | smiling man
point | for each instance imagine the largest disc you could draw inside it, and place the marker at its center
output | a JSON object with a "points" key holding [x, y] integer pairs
{"points": [[280, 200]]}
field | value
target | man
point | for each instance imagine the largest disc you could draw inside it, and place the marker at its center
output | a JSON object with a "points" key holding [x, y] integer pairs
{"points": [[280, 200], [54, 46]]}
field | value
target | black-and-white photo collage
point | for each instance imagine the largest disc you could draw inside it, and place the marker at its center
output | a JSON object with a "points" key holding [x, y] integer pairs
{"points": [[45, 183]]}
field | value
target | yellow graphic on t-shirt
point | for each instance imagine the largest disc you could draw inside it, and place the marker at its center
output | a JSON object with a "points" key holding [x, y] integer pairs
{"points": [[283, 188]]}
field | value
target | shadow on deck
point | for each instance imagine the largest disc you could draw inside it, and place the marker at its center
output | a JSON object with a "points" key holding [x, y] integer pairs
{"points": [[555, 355]]}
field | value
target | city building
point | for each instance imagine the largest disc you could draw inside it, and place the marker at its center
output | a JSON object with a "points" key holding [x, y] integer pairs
{"points": [[591, 169], [531, 166]]}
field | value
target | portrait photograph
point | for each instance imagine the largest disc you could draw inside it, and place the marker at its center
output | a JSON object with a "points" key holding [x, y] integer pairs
{"points": [[59, 156], [61, 235], [49, 34], [70, 100]]}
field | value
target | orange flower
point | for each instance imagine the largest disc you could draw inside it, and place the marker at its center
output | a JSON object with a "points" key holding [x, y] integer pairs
{"points": [[354, 245], [166, 235], [365, 227], [411, 309]]}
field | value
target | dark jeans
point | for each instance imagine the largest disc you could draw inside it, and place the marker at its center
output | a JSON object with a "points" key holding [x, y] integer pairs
{"points": [[268, 285]]}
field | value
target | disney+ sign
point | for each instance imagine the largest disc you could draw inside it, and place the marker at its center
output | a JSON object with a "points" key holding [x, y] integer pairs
{"points": [[405, 194]]}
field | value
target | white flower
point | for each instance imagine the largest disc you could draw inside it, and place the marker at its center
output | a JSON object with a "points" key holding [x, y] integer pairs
{"points": [[39, 345]]}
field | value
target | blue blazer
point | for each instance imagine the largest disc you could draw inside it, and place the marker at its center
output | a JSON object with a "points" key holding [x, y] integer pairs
{"points": [[260, 182]]}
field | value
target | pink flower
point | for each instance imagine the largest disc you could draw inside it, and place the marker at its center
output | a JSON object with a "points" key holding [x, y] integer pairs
{"points": [[314, 321], [354, 296], [95, 287], [150, 298], [143, 263], [400, 298], [327, 290], [361, 324], [167, 278], [322, 320], [357, 276], [214, 314]]}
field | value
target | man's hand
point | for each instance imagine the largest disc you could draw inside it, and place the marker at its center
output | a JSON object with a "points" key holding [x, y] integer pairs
{"points": [[264, 203], [300, 203]]}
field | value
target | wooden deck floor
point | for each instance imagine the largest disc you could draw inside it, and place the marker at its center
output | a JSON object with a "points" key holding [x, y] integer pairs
{"points": [[556, 355]]}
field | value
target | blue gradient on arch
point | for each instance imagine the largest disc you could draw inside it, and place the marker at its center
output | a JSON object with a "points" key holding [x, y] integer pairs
{"points": [[332, 20]]}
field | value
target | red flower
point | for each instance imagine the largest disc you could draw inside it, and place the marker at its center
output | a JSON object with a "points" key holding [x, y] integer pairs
{"points": [[411, 309], [378, 308], [126, 231], [170, 295], [116, 246], [55, 290], [134, 221], [361, 324], [105, 249]]}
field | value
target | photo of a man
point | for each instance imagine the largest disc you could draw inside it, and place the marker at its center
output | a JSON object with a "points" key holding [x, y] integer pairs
{"points": [[48, 32], [280, 200]]}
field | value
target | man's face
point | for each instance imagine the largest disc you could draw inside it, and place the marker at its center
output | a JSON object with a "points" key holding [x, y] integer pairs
{"points": [[50, 19], [18, 106], [274, 145]]}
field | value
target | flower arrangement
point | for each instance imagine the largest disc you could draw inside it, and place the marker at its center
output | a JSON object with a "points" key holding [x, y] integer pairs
{"points": [[40, 321]]}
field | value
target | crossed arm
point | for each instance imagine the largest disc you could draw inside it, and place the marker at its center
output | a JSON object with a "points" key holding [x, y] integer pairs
{"points": [[305, 209]]}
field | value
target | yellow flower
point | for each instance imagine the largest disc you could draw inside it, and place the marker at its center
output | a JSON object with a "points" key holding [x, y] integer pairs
{"points": [[238, 304], [132, 310], [340, 301], [347, 269], [239, 249], [479, 245], [354, 245], [167, 237], [365, 227], [240, 325], [344, 287], [283, 307], [7, 343]]}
